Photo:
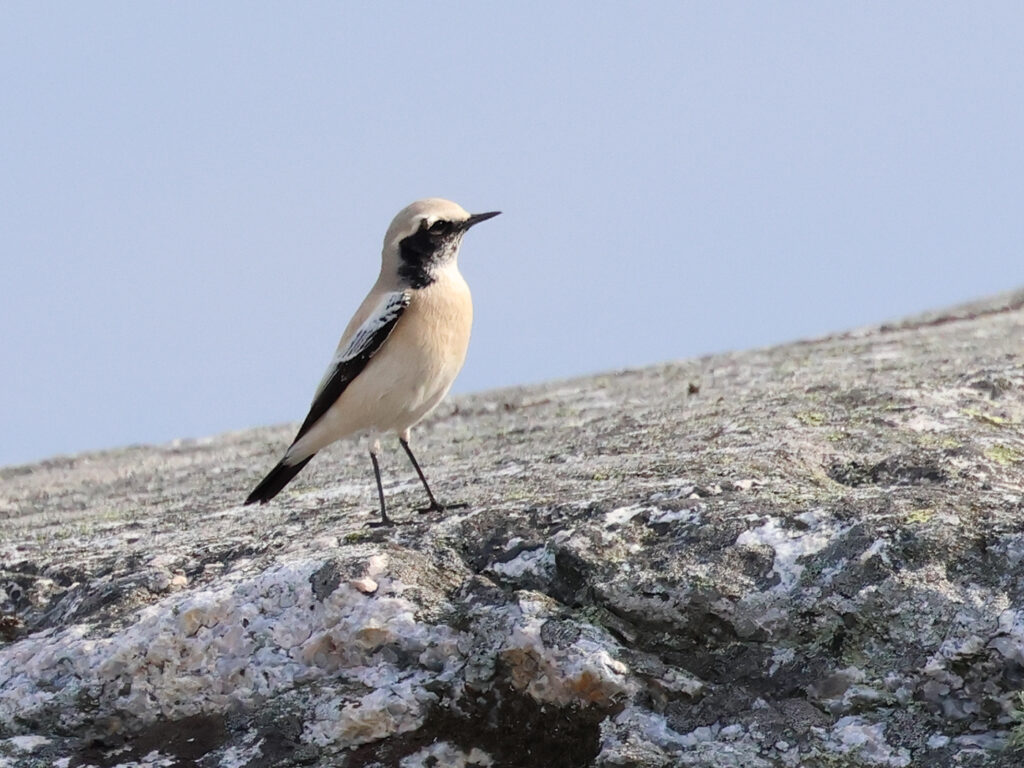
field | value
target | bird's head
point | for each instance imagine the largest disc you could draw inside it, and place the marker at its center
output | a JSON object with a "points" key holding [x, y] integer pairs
{"points": [[426, 236]]}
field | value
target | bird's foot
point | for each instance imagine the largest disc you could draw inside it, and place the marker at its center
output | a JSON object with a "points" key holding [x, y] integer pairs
{"points": [[384, 522], [442, 508]]}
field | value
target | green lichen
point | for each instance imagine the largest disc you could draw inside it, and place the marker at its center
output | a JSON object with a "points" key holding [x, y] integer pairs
{"points": [[1004, 454], [811, 418], [1016, 740], [935, 441], [987, 418], [920, 515]]}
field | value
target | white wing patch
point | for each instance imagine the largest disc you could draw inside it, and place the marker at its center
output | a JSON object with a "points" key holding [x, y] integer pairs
{"points": [[387, 311]]}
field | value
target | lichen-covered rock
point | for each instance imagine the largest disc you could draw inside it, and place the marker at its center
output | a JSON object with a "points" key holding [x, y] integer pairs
{"points": [[811, 555]]}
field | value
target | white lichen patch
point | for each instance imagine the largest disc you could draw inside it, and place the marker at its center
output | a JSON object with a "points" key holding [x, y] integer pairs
{"points": [[28, 743], [538, 562], [1009, 636], [681, 682], [654, 515], [937, 741], [622, 515], [250, 639], [867, 741], [154, 759], [581, 672], [679, 516], [992, 741], [395, 707], [675, 489], [792, 544], [926, 423], [878, 548], [715, 746], [781, 656], [445, 754], [241, 756], [640, 725]]}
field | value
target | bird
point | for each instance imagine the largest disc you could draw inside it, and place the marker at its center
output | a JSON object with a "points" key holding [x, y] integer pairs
{"points": [[400, 352]]}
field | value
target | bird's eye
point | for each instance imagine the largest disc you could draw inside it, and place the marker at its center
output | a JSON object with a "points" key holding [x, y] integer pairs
{"points": [[441, 227]]}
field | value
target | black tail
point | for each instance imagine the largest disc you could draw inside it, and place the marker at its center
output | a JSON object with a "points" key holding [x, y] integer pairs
{"points": [[277, 479]]}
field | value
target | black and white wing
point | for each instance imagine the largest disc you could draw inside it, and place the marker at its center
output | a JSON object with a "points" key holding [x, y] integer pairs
{"points": [[353, 357]]}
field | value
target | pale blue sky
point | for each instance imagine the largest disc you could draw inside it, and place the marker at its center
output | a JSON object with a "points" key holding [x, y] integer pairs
{"points": [[193, 194]]}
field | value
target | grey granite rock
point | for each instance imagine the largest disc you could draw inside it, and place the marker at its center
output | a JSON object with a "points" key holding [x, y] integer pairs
{"points": [[810, 555]]}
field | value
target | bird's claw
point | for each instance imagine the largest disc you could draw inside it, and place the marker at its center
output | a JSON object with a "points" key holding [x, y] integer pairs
{"points": [[442, 508]]}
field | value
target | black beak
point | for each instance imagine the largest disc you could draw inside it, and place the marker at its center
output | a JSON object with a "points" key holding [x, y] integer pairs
{"points": [[476, 218]]}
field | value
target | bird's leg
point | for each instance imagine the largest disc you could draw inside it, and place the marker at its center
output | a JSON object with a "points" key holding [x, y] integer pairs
{"points": [[384, 519], [434, 505]]}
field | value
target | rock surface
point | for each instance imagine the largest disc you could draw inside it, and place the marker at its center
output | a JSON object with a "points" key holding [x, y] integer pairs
{"points": [[811, 555]]}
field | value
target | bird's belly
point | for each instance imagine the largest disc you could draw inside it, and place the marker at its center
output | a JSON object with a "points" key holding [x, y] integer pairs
{"points": [[409, 376], [415, 374], [414, 369]]}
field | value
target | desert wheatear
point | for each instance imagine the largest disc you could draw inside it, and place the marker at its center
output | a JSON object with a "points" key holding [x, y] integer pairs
{"points": [[401, 350]]}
